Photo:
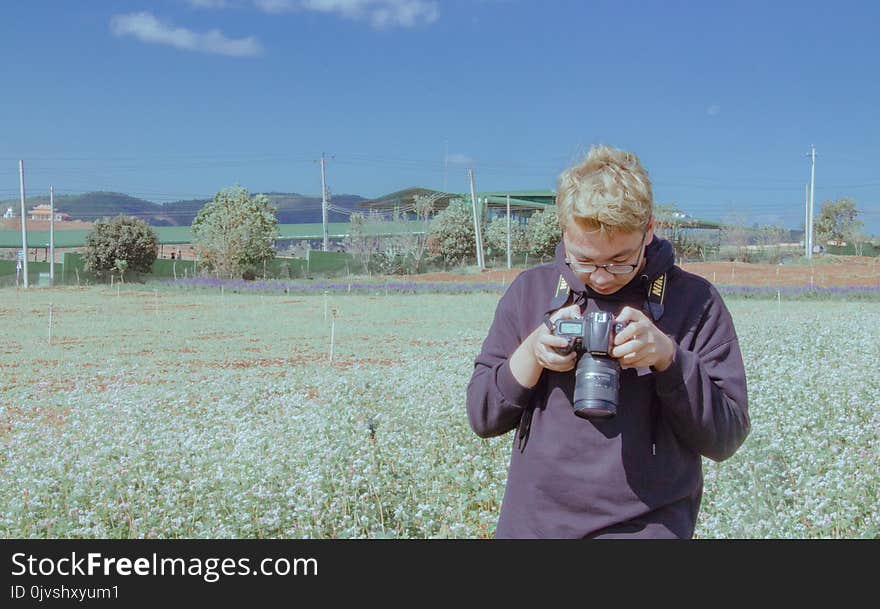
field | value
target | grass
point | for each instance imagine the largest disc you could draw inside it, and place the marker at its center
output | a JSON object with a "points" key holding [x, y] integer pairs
{"points": [[166, 412]]}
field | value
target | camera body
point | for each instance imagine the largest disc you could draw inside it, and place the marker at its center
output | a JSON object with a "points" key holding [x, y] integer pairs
{"points": [[597, 375]]}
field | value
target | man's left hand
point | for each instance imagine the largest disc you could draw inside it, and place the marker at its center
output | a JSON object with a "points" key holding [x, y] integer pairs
{"points": [[641, 343]]}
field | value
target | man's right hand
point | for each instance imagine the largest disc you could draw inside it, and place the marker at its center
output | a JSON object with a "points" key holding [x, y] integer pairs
{"points": [[539, 351], [546, 345]]}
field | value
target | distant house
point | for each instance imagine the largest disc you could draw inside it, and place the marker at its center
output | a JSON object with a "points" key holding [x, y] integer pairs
{"points": [[8, 214], [44, 212]]}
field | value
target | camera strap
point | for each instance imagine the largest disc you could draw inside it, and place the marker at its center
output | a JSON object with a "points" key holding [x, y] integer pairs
{"points": [[656, 292], [561, 297]]}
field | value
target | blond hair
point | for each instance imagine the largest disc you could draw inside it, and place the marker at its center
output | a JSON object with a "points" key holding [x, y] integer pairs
{"points": [[609, 191]]}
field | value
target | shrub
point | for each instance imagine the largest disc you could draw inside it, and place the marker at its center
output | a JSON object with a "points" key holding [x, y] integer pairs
{"points": [[452, 233], [544, 233], [120, 244]]}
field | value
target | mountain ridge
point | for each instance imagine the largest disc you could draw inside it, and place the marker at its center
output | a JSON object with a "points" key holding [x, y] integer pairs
{"points": [[292, 208]]}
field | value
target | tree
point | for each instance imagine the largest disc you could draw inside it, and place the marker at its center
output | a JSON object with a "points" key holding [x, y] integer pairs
{"points": [[837, 223], [235, 232], [734, 237], [120, 244], [396, 251], [544, 232], [770, 239], [496, 237], [360, 243], [405, 251], [452, 233], [860, 238], [669, 220], [424, 209], [121, 267]]}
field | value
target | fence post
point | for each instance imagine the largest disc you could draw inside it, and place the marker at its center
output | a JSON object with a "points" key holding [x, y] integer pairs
{"points": [[332, 335]]}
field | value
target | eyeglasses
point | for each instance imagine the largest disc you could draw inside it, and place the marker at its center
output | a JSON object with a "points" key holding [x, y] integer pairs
{"points": [[614, 268]]}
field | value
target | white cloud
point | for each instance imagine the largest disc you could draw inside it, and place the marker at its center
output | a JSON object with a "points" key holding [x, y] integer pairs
{"points": [[276, 6], [209, 3], [459, 159], [147, 28], [379, 13], [713, 110]]}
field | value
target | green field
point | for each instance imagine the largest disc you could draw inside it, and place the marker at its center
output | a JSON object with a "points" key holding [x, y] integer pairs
{"points": [[168, 413]]}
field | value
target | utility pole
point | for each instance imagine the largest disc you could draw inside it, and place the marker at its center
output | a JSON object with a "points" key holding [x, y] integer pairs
{"points": [[812, 192], [324, 205], [477, 236], [508, 231], [445, 162], [23, 223], [52, 235], [806, 219]]}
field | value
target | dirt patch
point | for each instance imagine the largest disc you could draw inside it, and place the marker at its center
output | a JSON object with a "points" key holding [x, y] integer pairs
{"points": [[363, 360], [246, 364], [57, 385], [836, 271], [143, 295], [216, 336], [428, 343], [181, 306], [54, 417]]}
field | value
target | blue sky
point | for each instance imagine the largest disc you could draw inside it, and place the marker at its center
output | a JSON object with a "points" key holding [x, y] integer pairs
{"points": [[173, 99]]}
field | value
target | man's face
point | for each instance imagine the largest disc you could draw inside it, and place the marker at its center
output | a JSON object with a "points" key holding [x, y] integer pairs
{"points": [[584, 248]]}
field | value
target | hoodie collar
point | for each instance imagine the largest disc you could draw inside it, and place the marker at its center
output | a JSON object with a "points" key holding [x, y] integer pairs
{"points": [[659, 258]]}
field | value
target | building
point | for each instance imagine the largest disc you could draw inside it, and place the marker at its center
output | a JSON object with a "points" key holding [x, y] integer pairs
{"points": [[44, 212], [8, 213], [489, 204]]}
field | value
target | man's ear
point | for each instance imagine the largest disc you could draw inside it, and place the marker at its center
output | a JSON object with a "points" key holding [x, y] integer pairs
{"points": [[649, 232]]}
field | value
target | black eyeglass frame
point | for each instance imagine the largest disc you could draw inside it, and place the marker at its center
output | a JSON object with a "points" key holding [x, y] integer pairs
{"points": [[612, 268]]}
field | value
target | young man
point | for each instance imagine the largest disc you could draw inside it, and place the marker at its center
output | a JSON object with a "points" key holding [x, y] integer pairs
{"points": [[682, 386]]}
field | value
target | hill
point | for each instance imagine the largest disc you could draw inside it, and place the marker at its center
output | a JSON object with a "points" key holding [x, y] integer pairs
{"points": [[292, 208]]}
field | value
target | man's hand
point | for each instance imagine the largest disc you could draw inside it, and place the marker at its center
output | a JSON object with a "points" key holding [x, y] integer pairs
{"points": [[538, 351], [641, 343], [545, 344]]}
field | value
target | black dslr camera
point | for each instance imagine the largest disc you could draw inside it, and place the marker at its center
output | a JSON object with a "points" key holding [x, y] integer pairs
{"points": [[597, 376]]}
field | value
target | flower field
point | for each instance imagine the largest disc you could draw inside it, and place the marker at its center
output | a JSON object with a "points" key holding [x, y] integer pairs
{"points": [[165, 413]]}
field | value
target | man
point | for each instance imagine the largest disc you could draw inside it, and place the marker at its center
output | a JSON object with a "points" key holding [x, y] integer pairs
{"points": [[682, 387]]}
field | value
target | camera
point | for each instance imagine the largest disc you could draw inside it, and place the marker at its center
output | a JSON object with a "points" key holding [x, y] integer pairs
{"points": [[597, 375]]}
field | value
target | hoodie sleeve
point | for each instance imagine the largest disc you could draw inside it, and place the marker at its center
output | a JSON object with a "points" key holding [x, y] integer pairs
{"points": [[495, 399], [703, 392]]}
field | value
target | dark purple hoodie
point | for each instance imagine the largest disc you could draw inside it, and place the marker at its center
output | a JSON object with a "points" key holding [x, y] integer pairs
{"points": [[638, 473]]}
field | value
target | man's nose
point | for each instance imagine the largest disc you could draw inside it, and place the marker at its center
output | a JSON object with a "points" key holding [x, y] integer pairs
{"points": [[601, 276]]}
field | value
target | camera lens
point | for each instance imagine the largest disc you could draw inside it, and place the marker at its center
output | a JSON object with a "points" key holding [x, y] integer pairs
{"points": [[596, 387]]}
